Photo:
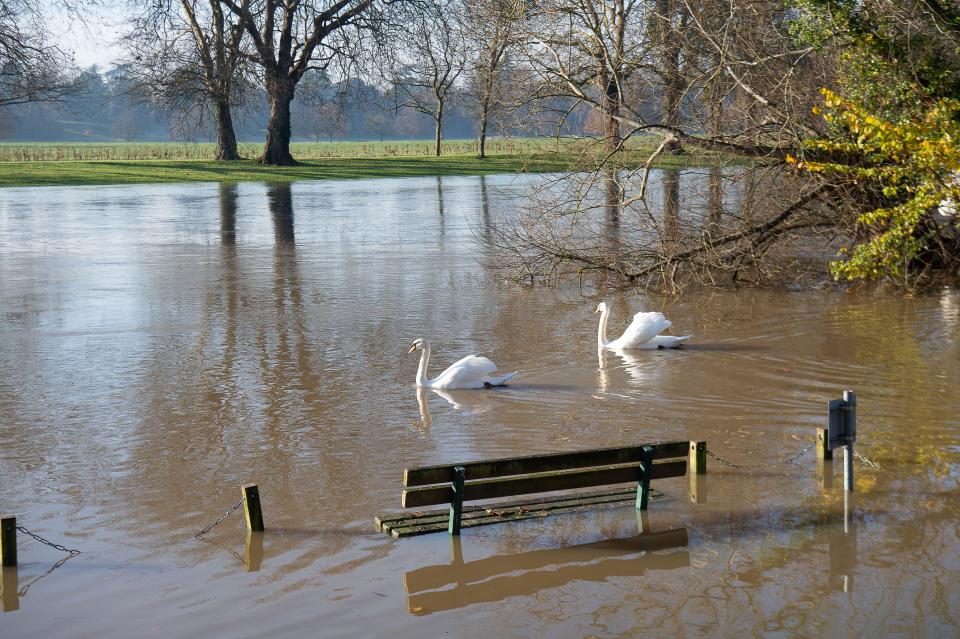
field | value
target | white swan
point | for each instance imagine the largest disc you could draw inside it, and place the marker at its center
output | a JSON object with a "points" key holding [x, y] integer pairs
{"points": [[643, 332], [469, 372]]}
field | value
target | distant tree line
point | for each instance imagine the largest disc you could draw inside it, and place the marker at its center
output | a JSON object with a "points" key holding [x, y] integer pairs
{"points": [[851, 103]]}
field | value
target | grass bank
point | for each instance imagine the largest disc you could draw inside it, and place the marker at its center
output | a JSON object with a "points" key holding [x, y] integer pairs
{"points": [[526, 156]]}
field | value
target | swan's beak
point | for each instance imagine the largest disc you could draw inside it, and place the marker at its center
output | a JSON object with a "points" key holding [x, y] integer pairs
{"points": [[596, 310], [413, 348]]}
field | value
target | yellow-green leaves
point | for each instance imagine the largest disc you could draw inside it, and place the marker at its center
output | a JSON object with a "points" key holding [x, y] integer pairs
{"points": [[912, 163]]}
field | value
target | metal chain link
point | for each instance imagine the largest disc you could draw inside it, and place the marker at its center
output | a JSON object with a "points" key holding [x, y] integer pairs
{"points": [[71, 552], [221, 518], [789, 460]]}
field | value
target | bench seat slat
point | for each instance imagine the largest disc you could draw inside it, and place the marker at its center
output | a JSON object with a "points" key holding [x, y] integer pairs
{"points": [[486, 469], [540, 483]]}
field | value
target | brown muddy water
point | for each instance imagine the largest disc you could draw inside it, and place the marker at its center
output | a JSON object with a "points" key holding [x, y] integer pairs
{"points": [[161, 345]]}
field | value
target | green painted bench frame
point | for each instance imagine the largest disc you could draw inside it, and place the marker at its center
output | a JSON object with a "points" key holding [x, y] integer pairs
{"points": [[455, 484]]}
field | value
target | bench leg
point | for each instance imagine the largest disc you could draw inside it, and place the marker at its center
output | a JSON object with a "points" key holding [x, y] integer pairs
{"points": [[643, 488], [456, 503]]}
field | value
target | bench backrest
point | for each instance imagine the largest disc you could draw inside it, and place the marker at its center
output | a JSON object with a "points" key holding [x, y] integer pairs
{"points": [[431, 485]]}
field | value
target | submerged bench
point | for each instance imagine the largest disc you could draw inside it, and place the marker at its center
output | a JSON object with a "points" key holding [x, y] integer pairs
{"points": [[458, 483]]}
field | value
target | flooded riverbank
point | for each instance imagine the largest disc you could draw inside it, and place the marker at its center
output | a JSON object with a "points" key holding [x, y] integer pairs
{"points": [[162, 345]]}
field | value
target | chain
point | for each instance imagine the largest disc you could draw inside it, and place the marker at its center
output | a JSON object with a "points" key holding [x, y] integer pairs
{"points": [[72, 553], [221, 518], [789, 460]]}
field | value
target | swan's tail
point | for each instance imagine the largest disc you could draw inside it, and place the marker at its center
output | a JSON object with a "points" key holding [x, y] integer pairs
{"points": [[498, 381], [668, 341]]}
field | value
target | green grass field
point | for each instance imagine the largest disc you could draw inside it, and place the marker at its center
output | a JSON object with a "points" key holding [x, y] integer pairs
{"points": [[126, 163]]}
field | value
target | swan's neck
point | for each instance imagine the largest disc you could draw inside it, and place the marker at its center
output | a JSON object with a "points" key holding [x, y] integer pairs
{"points": [[424, 362], [602, 329]]}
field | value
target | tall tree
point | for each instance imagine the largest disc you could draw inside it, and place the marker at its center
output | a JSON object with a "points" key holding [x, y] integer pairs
{"points": [[667, 22], [188, 55], [431, 56], [491, 28], [32, 69], [589, 50], [289, 39]]}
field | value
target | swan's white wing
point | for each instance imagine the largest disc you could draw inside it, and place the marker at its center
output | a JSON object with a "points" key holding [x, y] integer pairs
{"points": [[643, 328], [468, 372]]}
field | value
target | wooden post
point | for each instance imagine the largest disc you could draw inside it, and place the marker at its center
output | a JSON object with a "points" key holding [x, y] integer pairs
{"points": [[9, 593], [643, 522], [823, 450], [251, 507], [698, 489], [825, 474], [456, 502], [698, 458], [456, 551], [643, 489], [8, 540]]}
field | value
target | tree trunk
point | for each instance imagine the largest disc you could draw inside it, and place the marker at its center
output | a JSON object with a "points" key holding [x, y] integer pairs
{"points": [[483, 136], [439, 118], [668, 41], [276, 149], [610, 104], [484, 109], [226, 137]]}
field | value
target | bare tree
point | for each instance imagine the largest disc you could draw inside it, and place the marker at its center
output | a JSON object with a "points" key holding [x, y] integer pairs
{"points": [[668, 21], [425, 76], [187, 55], [588, 50], [491, 29], [292, 37], [725, 78], [31, 68]]}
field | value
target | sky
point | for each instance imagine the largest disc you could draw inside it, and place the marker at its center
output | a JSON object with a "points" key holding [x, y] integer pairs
{"points": [[94, 42]]}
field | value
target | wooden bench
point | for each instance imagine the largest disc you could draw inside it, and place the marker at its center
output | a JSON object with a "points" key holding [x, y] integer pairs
{"points": [[455, 484]]}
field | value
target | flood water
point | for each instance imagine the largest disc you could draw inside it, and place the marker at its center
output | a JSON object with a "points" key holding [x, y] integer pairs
{"points": [[162, 345]]}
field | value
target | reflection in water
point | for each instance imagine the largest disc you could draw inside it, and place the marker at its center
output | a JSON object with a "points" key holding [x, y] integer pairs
{"points": [[468, 401], [186, 364], [440, 212], [671, 210], [505, 576], [8, 588], [643, 367], [486, 221], [714, 215], [253, 551], [228, 213], [424, 404], [280, 199]]}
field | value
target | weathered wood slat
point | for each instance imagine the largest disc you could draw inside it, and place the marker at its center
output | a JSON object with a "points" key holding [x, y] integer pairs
{"points": [[500, 515], [486, 469], [434, 577], [542, 505], [538, 503], [541, 483]]}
